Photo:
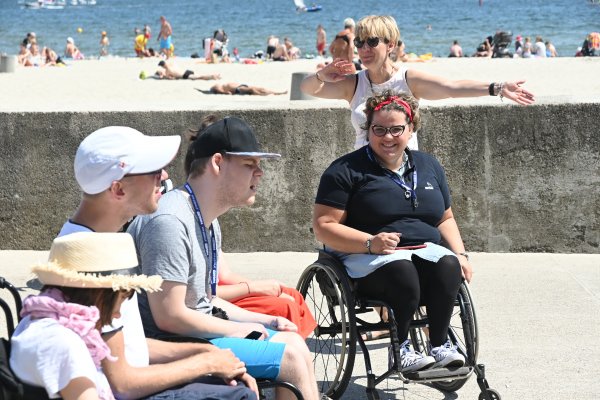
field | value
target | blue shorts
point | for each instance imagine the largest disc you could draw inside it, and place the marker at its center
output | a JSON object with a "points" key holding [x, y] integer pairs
{"points": [[262, 358], [165, 43]]}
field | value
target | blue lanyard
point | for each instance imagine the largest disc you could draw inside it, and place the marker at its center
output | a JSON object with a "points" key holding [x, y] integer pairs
{"points": [[409, 193], [213, 277]]}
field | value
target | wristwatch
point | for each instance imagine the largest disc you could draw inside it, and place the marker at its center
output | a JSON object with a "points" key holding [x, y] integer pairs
{"points": [[368, 244], [465, 255]]}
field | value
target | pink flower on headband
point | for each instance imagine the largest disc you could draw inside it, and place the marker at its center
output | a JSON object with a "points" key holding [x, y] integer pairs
{"points": [[400, 102]]}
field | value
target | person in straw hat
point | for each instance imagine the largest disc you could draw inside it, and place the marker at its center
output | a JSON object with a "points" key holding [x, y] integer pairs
{"points": [[57, 345], [120, 170]]}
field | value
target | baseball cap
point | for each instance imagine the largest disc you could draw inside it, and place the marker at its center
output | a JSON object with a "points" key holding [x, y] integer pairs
{"points": [[70, 40], [110, 153], [230, 136]]}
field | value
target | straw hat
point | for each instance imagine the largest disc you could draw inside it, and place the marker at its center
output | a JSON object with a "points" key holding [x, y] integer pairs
{"points": [[95, 260]]}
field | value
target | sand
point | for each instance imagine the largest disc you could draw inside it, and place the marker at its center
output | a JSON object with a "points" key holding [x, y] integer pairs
{"points": [[112, 84]]}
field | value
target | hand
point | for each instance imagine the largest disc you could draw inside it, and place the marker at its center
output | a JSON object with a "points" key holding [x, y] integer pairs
{"points": [[465, 266], [251, 383], [224, 364], [385, 242], [245, 328], [267, 287], [514, 92], [287, 296], [336, 70], [283, 325]]}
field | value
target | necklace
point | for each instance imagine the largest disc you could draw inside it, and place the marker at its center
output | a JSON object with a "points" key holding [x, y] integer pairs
{"points": [[371, 82]]}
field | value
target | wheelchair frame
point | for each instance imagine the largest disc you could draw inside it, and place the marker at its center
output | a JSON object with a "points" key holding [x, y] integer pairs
{"points": [[329, 292]]}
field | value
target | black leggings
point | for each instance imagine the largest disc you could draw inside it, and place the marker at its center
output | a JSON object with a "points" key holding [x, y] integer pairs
{"points": [[404, 285]]}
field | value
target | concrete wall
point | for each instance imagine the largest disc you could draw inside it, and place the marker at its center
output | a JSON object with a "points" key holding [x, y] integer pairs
{"points": [[522, 178]]}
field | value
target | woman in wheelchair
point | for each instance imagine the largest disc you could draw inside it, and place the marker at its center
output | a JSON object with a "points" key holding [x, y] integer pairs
{"points": [[384, 210], [57, 345]]}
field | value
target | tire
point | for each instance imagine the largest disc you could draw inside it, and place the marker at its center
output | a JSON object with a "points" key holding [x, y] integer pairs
{"points": [[491, 393], [327, 293]]}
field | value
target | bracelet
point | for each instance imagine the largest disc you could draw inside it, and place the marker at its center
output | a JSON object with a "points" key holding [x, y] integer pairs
{"points": [[491, 89], [368, 244], [317, 76], [465, 255], [500, 91], [248, 286]]}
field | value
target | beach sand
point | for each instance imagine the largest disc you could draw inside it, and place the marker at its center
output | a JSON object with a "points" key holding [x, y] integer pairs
{"points": [[113, 84]]}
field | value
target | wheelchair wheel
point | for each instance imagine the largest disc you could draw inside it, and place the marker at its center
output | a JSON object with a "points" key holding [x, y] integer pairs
{"points": [[327, 293], [464, 333]]}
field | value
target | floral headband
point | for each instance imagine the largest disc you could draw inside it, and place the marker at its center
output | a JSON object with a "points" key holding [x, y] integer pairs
{"points": [[400, 102]]}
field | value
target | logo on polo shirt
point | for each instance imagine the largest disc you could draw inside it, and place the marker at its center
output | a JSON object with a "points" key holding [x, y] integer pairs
{"points": [[429, 186]]}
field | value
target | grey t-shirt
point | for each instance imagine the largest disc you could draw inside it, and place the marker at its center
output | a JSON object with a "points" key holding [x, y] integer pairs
{"points": [[169, 243]]}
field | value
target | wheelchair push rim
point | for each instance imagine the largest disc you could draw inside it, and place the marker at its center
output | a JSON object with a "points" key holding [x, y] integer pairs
{"points": [[333, 342]]}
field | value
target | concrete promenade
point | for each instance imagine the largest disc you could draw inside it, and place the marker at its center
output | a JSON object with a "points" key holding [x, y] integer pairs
{"points": [[538, 315]]}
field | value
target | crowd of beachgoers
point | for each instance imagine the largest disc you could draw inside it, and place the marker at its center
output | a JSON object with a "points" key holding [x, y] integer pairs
{"points": [[215, 49]]}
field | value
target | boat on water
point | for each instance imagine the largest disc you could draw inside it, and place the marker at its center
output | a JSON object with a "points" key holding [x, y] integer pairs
{"points": [[47, 4], [301, 7]]}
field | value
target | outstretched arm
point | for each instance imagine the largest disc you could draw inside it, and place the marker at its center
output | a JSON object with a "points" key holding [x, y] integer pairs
{"points": [[431, 87], [335, 81]]}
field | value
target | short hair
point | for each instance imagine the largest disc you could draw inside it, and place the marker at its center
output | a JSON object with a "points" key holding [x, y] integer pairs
{"points": [[382, 26], [195, 166], [374, 101]]}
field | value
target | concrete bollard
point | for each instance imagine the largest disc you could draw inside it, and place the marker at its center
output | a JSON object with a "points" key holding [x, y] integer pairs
{"points": [[295, 92], [8, 63]]}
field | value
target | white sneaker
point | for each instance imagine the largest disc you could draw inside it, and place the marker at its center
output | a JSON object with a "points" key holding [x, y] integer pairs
{"points": [[411, 360], [447, 356]]}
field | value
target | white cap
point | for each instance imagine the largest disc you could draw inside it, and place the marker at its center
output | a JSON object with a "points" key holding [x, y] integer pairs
{"points": [[349, 22], [70, 40], [110, 153]]}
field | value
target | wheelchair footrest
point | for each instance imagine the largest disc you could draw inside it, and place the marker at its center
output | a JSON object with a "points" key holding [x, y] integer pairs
{"points": [[439, 374]]}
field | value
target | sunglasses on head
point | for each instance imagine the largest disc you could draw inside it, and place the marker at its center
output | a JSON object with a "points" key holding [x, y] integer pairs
{"points": [[372, 42]]}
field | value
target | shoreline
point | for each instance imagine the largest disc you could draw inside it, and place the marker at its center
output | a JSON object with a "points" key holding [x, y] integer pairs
{"points": [[113, 84]]}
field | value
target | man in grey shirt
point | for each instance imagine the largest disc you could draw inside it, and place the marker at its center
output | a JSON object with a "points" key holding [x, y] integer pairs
{"points": [[181, 242]]}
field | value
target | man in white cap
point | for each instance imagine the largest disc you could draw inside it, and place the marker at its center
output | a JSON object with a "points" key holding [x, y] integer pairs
{"points": [[181, 242], [119, 170]]}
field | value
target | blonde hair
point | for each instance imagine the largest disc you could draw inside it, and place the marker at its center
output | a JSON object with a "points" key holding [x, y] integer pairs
{"points": [[381, 26]]}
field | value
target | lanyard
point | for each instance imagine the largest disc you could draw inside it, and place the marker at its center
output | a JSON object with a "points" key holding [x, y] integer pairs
{"points": [[213, 277], [409, 193]]}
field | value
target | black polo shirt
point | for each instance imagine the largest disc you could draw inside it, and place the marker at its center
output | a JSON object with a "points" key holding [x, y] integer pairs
{"points": [[375, 203]]}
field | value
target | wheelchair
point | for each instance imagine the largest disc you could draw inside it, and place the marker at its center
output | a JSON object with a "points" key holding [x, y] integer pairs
{"points": [[338, 310], [11, 388]]}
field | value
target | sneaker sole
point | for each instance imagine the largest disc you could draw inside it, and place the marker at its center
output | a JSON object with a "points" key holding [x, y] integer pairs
{"points": [[417, 367], [450, 364]]}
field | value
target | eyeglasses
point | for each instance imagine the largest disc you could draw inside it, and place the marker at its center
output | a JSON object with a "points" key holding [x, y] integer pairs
{"points": [[395, 131], [372, 42], [157, 172]]}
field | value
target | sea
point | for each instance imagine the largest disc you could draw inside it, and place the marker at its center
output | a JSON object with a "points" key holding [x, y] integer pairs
{"points": [[427, 26]]}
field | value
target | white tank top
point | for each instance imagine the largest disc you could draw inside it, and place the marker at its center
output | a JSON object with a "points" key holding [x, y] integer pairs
{"points": [[363, 91]]}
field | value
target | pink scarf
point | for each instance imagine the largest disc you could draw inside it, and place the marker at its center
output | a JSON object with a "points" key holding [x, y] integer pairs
{"points": [[80, 319]]}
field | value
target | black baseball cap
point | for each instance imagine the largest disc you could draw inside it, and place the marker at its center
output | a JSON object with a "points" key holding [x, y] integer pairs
{"points": [[229, 136]]}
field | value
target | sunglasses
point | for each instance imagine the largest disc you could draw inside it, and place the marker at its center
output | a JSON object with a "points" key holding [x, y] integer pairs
{"points": [[395, 131], [372, 42]]}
